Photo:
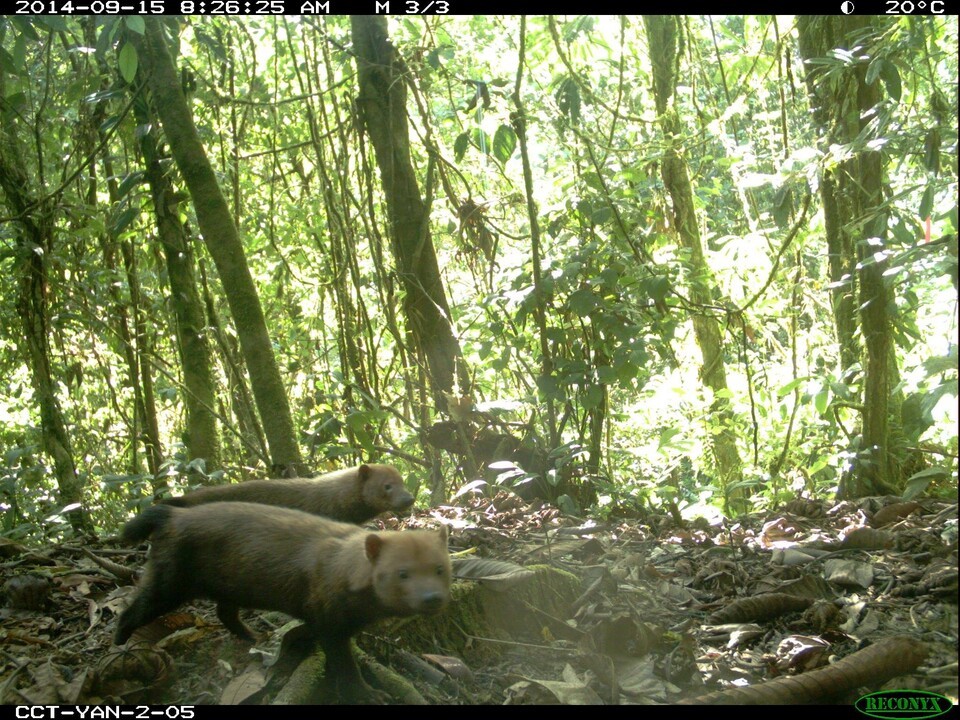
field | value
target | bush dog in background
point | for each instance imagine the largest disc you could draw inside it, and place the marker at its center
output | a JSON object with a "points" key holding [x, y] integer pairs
{"points": [[354, 495]]}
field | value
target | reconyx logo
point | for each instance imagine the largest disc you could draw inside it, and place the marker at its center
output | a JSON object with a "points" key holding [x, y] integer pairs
{"points": [[903, 704]]}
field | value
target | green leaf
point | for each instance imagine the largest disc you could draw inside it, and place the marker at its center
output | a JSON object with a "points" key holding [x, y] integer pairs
{"points": [[601, 215], [655, 288], [932, 398], [8, 64], [592, 397], [782, 206], [135, 23], [572, 269], [128, 62], [582, 302], [550, 387], [891, 78], [940, 363], [107, 34], [606, 374], [504, 143], [568, 505], [818, 465], [54, 22], [102, 95], [123, 220], [472, 486], [919, 482], [129, 182], [25, 26], [556, 334], [20, 54], [16, 101], [568, 99], [926, 203], [821, 401], [790, 386], [460, 145], [481, 140], [610, 277], [627, 372], [931, 150], [433, 58]]}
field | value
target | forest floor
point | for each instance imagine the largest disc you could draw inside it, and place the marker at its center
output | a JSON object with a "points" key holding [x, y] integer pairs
{"points": [[813, 603]]}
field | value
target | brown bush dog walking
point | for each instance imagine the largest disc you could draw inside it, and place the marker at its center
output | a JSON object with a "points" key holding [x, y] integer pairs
{"points": [[353, 495], [335, 577]]}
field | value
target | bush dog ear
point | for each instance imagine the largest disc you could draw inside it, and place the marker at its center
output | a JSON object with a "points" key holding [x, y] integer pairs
{"points": [[373, 544]]}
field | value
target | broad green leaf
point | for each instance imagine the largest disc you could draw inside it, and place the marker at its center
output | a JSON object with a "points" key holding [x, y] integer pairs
{"points": [[123, 220], [8, 64], [582, 302], [129, 182], [25, 26], [655, 288], [54, 22], [926, 203], [790, 386], [819, 464], [460, 145], [20, 54], [606, 375], [821, 401], [666, 435], [128, 62], [550, 387], [472, 486], [568, 99], [504, 143], [919, 482], [592, 397], [931, 151], [891, 78], [481, 140], [134, 23], [782, 206]]}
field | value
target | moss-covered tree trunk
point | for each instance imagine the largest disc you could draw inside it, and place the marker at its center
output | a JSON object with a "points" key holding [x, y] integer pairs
{"points": [[856, 223], [663, 38], [383, 107], [202, 439], [34, 237], [818, 36], [222, 240]]}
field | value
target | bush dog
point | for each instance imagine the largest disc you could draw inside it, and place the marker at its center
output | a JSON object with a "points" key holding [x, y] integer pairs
{"points": [[354, 495], [335, 577]]}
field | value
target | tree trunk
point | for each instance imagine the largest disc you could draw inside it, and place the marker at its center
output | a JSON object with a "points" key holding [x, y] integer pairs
{"points": [[34, 245], [383, 108], [124, 314], [663, 39], [223, 243], [818, 36], [856, 227], [539, 308], [143, 347], [202, 439]]}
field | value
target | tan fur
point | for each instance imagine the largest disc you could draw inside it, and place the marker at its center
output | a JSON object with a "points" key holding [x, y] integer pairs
{"points": [[352, 495], [334, 576]]}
